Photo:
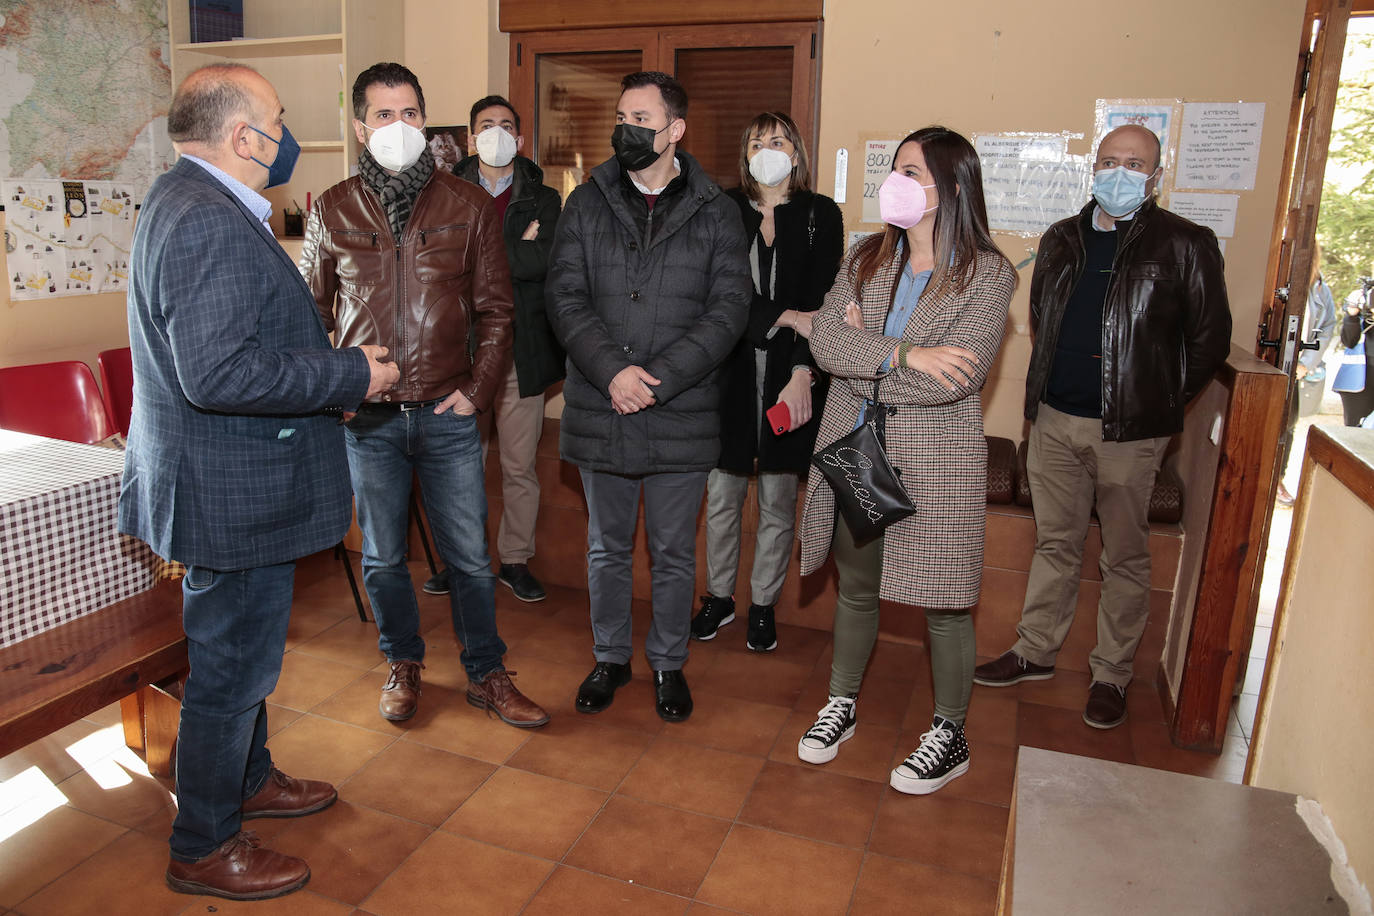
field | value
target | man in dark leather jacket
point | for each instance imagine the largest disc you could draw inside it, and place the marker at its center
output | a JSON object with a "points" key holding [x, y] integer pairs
{"points": [[1130, 318], [411, 256]]}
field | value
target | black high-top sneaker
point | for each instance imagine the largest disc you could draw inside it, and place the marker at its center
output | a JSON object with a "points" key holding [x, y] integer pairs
{"points": [[941, 756]]}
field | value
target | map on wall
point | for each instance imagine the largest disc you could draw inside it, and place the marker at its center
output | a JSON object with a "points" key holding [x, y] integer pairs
{"points": [[84, 91]]}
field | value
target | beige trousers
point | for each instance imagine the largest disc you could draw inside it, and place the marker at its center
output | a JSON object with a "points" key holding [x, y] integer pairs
{"points": [[1071, 468], [519, 423]]}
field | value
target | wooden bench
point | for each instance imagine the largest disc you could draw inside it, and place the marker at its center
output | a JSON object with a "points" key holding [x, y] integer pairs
{"points": [[119, 652]]}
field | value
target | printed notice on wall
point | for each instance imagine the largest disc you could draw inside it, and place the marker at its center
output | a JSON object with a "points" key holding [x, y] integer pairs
{"points": [[1030, 180], [1215, 211], [1219, 145], [877, 163], [66, 238]]}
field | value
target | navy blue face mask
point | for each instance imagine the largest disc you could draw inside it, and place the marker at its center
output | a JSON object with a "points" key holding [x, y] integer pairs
{"points": [[288, 151]]}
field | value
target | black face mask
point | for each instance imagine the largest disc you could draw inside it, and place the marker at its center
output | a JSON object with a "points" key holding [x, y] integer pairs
{"points": [[634, 146]]}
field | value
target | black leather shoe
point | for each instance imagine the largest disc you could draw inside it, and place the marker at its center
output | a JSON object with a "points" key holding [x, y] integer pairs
{"points": [[672, 699], [598, 688]]}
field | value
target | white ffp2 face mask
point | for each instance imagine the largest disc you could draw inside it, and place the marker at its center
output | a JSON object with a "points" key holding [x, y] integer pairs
{"points": [[397, 146], [495, 147], [770, 167]]}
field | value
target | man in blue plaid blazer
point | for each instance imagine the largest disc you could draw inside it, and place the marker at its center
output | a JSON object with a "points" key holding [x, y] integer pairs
{"points": [[235, 463]]}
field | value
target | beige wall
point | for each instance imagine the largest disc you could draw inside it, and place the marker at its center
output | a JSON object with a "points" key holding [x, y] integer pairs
{"points": [[989, 65], [1314, 734], [458, 54]]}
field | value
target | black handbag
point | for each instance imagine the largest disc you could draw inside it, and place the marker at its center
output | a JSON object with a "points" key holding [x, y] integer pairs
{"points": [[868, 489]]}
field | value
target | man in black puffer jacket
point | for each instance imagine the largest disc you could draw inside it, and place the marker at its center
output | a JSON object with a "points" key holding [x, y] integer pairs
{"points": [[648, 290]]}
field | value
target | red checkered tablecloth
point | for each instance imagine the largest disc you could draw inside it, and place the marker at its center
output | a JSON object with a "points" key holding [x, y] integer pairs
{"points": [[60, 555]]}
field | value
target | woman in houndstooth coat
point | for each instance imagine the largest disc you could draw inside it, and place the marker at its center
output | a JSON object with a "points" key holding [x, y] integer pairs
{"points": [[921, 307]]}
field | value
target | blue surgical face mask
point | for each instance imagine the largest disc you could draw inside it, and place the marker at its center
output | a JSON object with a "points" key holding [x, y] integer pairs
{"points": [[1120, 190], [288, 151]]}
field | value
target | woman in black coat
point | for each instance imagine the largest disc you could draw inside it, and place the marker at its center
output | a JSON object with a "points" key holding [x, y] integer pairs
{"points": [[1358, 325], [796, 238]]}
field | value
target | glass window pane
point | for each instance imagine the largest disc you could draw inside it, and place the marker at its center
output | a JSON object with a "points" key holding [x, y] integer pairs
{"points": [[726, 88], [576, 94]]}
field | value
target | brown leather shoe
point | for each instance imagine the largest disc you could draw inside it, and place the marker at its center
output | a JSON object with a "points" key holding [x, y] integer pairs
{"points": [[497, 693], [1106, 705], [239, 870], [401, 694], [283, 796], [1010, 668]]}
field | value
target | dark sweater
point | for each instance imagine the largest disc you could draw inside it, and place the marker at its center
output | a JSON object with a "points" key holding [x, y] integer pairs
{"points": [[1075, 383]]}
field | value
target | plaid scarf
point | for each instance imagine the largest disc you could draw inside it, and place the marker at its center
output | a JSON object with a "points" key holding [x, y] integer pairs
{"points": [[398, 192]]}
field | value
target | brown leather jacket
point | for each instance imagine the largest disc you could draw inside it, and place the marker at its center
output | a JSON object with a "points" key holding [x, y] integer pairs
{"points": [[1166, 324], [440, 300]]}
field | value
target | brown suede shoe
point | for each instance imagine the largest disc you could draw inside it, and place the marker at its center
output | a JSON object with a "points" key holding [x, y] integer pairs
{"points": [[239, 870], [283, 796], [497, 693], [401, 694], [1106, 705]]}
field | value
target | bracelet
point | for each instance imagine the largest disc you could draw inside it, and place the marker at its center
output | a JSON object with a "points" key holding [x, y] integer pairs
{"points": [[903, 349]]}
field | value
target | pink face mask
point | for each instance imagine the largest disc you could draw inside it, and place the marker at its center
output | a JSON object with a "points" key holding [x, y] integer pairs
{"points": [[902, 200]]}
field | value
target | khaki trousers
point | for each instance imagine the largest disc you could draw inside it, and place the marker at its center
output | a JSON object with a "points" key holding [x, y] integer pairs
{"points": [[519, 423], [1070, 468]]}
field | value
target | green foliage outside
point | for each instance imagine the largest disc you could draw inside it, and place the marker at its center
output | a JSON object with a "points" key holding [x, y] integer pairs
{"points": [[1345, 226]]}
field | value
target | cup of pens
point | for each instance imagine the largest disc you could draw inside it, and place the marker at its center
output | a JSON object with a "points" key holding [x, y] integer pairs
{"points": [[293, 222]]}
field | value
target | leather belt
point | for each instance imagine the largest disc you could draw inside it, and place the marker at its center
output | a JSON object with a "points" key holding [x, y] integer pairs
{"points": [[401, 405]]}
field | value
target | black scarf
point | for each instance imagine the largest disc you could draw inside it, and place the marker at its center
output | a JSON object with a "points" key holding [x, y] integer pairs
{"points": [[398, 192]]}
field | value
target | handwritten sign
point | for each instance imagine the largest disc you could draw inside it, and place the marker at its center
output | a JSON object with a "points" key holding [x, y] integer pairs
{"points": [[1219, 145], [877, 163]]}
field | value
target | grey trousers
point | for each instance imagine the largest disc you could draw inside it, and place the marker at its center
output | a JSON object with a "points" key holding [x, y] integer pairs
{"points": [[1070, 468], [671, 504], [725, 493]]}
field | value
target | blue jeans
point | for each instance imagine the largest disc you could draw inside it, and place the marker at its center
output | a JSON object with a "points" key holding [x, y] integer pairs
{"points": [[235, 635], [385, 446]]}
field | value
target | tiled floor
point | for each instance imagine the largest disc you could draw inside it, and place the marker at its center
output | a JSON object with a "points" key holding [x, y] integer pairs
{"points": [[455, 812]]}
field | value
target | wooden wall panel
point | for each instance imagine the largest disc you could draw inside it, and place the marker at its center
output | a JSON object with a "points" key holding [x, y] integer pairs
{"points": [[540, 15]]}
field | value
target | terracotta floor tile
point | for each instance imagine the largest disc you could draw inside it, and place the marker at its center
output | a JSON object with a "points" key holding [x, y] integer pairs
{"points": [[764, 872], [941, 830], [574, 748], [667, 849], [316, 748], [1066, 690], [762, 678], [309, 680], [693, 777], [131, 861], [1064, 730], [455, 726], [866, 755], [110, 714], [904, 661], [991, 772], [991, 717], [48, 754], [278, 717], [417, 782], [552, 639], [116, 788], [526, 812], [313, 611], [47, 847], [571, 891], [304, 902], [897, 887], [732, 724], [797, 645], [351, 849], [1152, 748], [348, 642], [453, 874], [814, 803]]}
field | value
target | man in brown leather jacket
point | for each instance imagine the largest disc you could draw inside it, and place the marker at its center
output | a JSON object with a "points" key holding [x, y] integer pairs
{"points": [[411, 256], [1130, 317]]}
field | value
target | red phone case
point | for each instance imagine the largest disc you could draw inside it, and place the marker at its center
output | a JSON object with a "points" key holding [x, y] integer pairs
{"points": [[779, 418]]}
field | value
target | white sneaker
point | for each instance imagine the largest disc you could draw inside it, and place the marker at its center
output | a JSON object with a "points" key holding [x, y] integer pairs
{"points": [[834, 726], [941, 756]]}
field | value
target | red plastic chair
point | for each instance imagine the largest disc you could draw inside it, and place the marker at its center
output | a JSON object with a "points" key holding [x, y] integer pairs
{"points": [[117, 385], [57, 400]]}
